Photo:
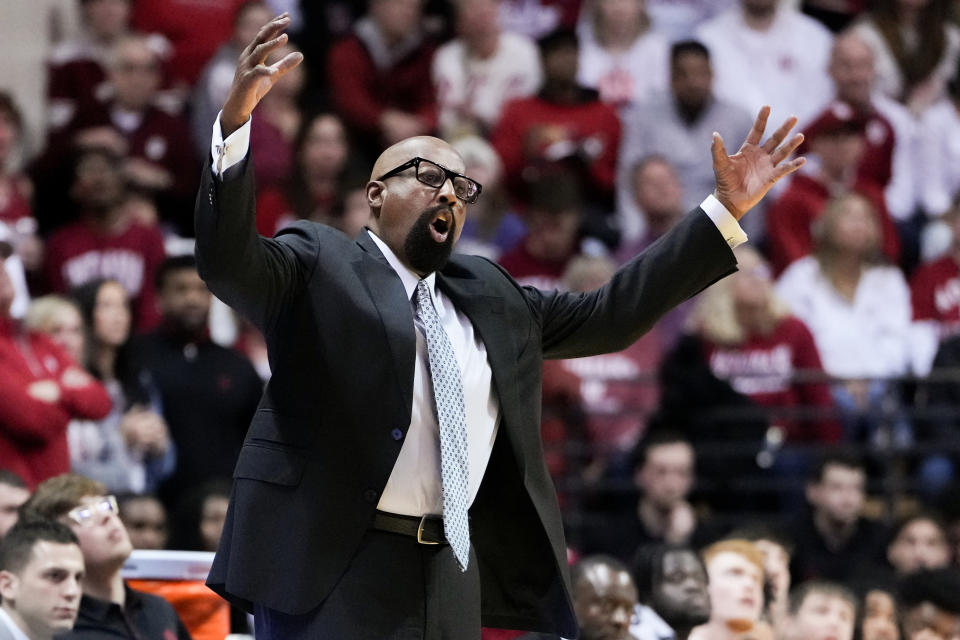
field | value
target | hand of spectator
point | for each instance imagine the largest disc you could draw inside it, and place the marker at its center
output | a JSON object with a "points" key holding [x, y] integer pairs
{"points": [[74, 378], [681, 524], [141, 173], [745, 177], [253, 78], [105, 137], [45, 391], [146, 431], [397, 125]]}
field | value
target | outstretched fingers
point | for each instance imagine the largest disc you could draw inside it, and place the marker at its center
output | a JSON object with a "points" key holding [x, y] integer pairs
{"points": [[718, 150], [285, 63], [780, 134], [787, 168], [267, 38], [783, 151], [759, 125]]}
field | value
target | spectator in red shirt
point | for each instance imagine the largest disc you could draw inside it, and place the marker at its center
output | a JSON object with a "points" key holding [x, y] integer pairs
{"points": [[275, 123], [379, 76], [565, 123], [553, 228], [836, 149], [935, 286], [751, 340], [107, 242], [156, 145], [42, 389]]}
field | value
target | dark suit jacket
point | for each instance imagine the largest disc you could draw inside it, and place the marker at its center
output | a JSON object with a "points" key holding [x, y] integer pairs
{"points": [[341, 341]]}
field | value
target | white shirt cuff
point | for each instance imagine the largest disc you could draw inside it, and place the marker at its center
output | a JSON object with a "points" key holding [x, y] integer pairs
{"points": [[229, 152], [731, 230]]}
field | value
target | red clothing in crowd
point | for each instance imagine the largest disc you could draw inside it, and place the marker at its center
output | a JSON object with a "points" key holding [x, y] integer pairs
{"points": [[763, 369], [533, 130], [362, 91], [791, 215], [877, 163], [33, 433], [14, 204], [79, 253], [528, 269], [195, 29], [935, 293]]}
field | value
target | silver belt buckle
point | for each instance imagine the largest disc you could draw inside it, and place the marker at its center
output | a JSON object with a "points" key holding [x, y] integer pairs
{"points": [[420, 539]]}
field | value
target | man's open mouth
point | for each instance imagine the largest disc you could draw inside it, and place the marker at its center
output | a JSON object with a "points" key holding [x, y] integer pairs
{"points": [[440, 225]]}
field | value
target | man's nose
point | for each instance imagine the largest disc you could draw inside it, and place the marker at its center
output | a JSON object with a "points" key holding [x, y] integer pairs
{"points": [[446, 191]]}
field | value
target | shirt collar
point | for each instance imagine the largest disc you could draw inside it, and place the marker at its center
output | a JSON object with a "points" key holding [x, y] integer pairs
{"points": [[409, 278], [15, 631]]}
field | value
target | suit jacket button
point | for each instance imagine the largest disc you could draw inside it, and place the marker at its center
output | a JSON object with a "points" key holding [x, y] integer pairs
{"points": [[370, 495], [397, 434]]}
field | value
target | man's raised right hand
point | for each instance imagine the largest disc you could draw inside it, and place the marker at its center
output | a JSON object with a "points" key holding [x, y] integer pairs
{"points": [[254, 78]]}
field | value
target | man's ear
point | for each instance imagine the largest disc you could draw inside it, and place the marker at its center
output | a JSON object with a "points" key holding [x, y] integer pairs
{"points": [[375, 190], [8, 586]]}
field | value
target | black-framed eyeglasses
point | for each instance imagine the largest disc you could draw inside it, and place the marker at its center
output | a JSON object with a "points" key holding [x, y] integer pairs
{"points": [[434, 175]]}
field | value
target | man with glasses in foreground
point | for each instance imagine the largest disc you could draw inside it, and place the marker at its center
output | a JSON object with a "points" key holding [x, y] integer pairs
{"points": [[392, 482], [109, 608]]}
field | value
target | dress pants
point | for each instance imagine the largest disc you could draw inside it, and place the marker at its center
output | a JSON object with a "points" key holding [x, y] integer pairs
{"points": [[393, 589]]}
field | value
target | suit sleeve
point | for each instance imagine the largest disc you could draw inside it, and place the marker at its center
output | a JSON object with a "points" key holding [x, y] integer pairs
{"points": [[257, 276], [679, 265]]}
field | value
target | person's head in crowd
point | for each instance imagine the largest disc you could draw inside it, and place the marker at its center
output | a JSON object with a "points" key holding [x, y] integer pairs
{"points": [[837, 491], [41, 567], [663, 468], [848, 229], [619, 22], [604, 597], [183, 296], [248, 19], [84, 505], [760, 9], [658, 193], [483, 164], [145, 518], [322, 147], [59, 317], [837, 140], [559, 54], [554, 214], [820, 610], [691, 77], [735, 571], [478, 24], [200, 516], [397, 20], [742, 305], [672, 580], [853, 69], [919, 542], [879, 619], [134, 72], [13, 493], [588, 272], [11, 130], [106, 20], [98, 185], [105, 307], [930, 601], [351, 213], [777, 550]]}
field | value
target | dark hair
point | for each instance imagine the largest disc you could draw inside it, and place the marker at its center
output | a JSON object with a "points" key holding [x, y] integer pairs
{"points": [[9, 107], [171, 264], [903, 523], [836, 459], [558, 39], [18, 544], [188, 513], [657, 435], [920, 63], [799, 593], [684, 47], [940, 587], [11, 479]]}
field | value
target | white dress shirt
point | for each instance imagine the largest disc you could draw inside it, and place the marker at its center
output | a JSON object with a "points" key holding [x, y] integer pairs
{"points": [[15, 632], [414, 486]]}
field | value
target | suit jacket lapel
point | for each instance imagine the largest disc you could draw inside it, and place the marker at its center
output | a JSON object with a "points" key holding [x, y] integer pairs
{"points": [[396, 312]]}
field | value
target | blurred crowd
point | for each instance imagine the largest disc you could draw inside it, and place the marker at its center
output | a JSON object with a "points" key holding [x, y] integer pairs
{"points": [[795, 423]]}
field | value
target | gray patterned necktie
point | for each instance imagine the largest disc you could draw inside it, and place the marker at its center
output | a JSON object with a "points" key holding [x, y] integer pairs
{"points": [[451, 416]]}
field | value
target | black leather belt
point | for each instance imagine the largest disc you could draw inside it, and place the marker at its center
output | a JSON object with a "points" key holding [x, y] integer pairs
{"points": [[426, 529]]}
